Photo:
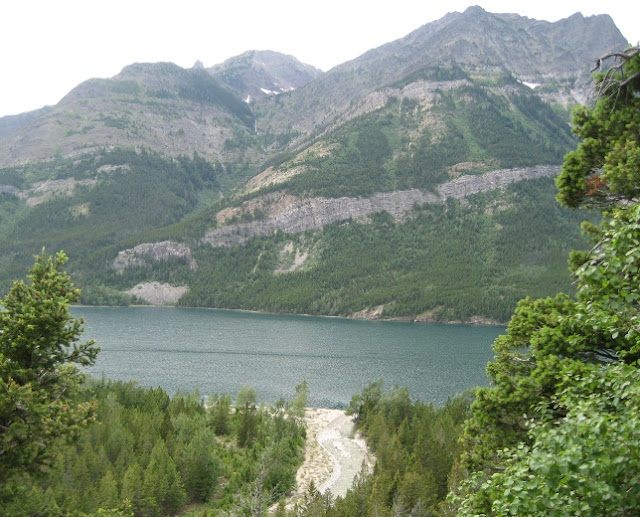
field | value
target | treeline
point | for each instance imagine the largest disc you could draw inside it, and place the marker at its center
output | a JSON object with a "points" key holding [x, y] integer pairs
{"points": [[147, 454], [416, 448]]}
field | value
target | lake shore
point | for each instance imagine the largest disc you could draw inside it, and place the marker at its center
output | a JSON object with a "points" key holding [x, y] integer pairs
{"points": [[365, 315]]}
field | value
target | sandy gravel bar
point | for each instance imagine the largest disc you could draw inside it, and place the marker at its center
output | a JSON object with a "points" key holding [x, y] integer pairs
{"points": [[333, 455]]}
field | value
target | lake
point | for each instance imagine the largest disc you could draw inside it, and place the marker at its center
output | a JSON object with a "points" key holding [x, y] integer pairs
{"points": [[219, 351]]}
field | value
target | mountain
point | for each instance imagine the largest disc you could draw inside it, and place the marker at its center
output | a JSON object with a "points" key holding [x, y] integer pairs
{"points": [[260, 73], [12, 123], [159, 107], [415, 181], [557, 57]]}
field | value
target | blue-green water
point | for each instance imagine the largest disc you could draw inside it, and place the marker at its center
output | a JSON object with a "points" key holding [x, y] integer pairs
{"points": [[216, 351]]}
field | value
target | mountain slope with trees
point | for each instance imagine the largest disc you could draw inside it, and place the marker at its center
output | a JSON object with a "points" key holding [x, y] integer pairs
{"points": [[159, 157]]}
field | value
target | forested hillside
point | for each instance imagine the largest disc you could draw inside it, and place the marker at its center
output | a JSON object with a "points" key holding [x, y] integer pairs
{"points": [[147, 454], [135, 176]]}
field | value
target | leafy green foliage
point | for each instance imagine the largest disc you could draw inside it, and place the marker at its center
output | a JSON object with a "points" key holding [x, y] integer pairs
{"points": [[604, 167], [546, 336], [39, 378], [558, 424], [585, 463]]}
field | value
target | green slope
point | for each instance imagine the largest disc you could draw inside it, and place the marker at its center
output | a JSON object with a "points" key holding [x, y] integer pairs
{"points": [[444, 262], [131, 193], [418, 142]]}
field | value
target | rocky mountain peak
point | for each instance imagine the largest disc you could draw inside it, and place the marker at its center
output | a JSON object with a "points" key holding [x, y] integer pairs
{"points": [[474, 10], [261, 73], [556, 56]]}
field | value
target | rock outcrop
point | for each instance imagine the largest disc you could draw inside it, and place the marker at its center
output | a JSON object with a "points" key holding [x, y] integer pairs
{"points": [[156, 293], [315, 213], [42, 191], [164, 250]]}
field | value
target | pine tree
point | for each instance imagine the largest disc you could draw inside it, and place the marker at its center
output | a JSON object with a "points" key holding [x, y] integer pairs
{"points": [[107, 493], [202, 466], [132, 489], [162, 488], [39, 351]]}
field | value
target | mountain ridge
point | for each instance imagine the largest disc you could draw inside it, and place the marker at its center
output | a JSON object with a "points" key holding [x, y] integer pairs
{"points": [[361, 156], [452, 40]]}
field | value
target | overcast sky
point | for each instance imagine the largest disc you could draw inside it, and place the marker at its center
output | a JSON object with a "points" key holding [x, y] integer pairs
{"points": [[50, 46]]}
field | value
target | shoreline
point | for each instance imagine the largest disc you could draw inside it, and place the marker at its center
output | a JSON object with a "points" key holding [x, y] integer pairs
{"points": [[479, 322]]}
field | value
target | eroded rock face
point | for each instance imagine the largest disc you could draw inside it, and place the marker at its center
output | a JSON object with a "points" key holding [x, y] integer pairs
{"points": [[154, 250], [467, 185], [374, 313], [292, 258], [315, 213], [43, 190], [295, 215], [156, 293]]}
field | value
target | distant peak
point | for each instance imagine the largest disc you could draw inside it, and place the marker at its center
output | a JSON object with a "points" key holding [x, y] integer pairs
{"points": [[198, 65], [474, 10]]}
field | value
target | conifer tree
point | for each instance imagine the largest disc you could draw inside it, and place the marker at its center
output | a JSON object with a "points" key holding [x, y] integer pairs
{"points": [[39, 378]]}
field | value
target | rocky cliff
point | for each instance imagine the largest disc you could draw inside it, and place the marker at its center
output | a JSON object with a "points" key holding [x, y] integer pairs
{"points": [[156, 251], [293, 215], [300, 215]]}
